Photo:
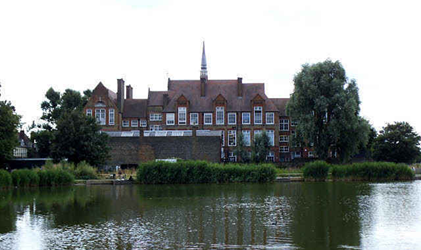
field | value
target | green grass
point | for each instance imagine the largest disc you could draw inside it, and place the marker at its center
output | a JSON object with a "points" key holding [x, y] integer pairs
{"points": [[184, 172]]}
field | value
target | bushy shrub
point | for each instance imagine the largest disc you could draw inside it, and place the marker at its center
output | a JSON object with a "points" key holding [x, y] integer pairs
{"points": [[373, 171], [202, 172], [85, 172], [55, 177], [317, 170], [25, 178], [5, 179]]}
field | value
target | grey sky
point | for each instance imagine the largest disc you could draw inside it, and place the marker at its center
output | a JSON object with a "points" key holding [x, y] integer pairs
{"points": [[75, 44]]}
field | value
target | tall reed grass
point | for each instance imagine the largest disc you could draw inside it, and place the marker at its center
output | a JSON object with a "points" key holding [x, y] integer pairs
{"points": [[25, 178], [317, 170], [5, 179], [373, 171], [184, 172]]}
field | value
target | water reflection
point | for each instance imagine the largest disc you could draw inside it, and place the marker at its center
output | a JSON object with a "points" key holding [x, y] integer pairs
{"points": [[238, 216]]}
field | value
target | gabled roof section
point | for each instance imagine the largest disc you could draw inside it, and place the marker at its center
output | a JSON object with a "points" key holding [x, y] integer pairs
{"points": [[135, 108], [281, 104], [227, 88], [101, 90]]}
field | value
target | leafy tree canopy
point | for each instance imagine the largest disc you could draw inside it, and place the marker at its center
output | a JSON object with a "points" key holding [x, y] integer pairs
{"points": [[397, 142], [240, 151], [78, 139], [9, 122], [326, 106]]}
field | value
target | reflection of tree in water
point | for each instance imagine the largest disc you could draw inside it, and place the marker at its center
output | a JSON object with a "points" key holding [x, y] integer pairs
{"points": [[326, 215]]}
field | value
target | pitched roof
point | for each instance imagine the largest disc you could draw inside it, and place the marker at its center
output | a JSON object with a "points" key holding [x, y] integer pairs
{"points": [[227, 88], [135, 108], [156, 98], [281, 104]]}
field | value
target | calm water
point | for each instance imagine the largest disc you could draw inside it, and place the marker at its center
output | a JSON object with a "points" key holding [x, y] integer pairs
{"points": [[238, 216]]}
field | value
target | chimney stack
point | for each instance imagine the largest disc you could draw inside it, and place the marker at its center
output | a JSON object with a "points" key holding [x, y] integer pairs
{"points": [[239, 87], [129, 92], [120, 94]]}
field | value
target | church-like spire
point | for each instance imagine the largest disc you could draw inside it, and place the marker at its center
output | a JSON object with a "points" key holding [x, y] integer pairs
{"points": [[204, 66]]}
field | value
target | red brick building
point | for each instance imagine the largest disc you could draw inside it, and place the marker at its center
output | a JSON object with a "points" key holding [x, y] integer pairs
{"points": [[229, 106]]}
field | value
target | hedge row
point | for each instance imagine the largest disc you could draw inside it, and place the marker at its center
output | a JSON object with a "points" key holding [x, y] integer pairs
{"points": [[317, 170], [373, 171], [184, 172]]}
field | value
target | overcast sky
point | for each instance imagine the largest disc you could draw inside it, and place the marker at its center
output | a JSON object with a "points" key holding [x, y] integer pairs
{"points": [[76, 44]]}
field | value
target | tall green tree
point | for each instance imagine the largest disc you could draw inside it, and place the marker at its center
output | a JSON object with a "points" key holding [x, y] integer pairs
{"points": [[9, 122], [260, 147], [78, 138], [397, 142], [53, 109], [240, 151], [326, 106]]}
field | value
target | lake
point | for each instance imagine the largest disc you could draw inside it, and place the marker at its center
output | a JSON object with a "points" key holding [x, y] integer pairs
{"points": [[332, 215]]}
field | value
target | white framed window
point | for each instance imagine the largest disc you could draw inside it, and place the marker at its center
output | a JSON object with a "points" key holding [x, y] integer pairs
{"points": [[246, 136], [219, 115], [89, 112], [134, 123], [246, 118], [125, 123], [111, 117], [194, 118], [283, 138], [297, 154], [155, 117], [207, 118], [100, 116], [232, 118], [271, 156], [232, 138], [257, 133], [294, 123], [284, 125], [310, 154], [270, 118], [258, 115], [170, 118], [156, 127], [143, 123], [182, 116], [271, 135], [284, 149]]}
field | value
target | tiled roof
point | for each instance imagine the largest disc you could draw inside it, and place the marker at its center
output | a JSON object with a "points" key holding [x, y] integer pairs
{"points": [[135, 108], [227, 88], [156, 98], [281, 104]]}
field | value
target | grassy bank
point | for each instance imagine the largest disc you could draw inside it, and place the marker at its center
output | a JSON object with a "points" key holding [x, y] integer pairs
{"points": [[184, 172]]}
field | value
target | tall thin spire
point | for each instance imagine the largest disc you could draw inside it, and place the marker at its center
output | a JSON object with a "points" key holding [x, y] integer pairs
{"points": [[204, 66]]}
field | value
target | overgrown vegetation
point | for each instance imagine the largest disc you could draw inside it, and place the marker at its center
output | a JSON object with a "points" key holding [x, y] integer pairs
{"points": [[5, 179], [25, 178], [184, 172], [373, 171], [55, 177], [317, 170], [85, 172]]}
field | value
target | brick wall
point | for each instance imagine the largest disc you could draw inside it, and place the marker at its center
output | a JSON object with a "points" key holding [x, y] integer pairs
{"points": [[132, 150]]}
